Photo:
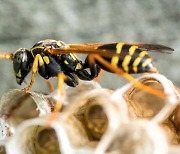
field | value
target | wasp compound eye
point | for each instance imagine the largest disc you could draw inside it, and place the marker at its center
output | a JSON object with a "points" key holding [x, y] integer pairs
{"points": [[22, 63]]}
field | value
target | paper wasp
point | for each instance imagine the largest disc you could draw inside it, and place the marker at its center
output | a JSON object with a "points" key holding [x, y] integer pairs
{"points": [[50, 58]]}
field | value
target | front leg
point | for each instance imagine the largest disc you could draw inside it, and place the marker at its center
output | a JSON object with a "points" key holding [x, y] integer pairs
{"points": [[94, 70], [38, 62]]}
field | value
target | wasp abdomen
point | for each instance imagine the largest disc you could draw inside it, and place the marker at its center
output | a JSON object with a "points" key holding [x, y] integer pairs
{"points": [[130, 58]]}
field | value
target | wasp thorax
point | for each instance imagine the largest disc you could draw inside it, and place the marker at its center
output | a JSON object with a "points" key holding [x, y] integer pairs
{"points": [[22, 63], [48, 43]]}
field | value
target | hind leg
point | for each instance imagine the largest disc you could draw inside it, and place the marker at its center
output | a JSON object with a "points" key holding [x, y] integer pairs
{"points": [[94, 70]]}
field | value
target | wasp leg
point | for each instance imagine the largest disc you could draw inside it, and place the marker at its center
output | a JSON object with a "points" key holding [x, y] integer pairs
{"points": [[50, 86], [38, 62], [61, 79], [94, 70], [99, 76], [6, 55], [127, 76]]}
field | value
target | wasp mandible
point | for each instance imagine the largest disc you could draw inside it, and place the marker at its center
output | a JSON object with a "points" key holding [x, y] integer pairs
{"points": [[50, 58]]}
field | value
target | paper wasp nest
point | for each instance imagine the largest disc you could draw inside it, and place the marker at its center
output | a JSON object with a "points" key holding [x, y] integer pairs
{"points": [[93, 120]]}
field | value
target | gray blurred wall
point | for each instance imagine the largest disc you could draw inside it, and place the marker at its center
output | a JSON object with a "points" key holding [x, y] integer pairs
{"points": [[23, 23]]}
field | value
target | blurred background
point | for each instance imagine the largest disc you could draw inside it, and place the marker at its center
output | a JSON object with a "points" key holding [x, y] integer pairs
{"points": [[23, 23]]}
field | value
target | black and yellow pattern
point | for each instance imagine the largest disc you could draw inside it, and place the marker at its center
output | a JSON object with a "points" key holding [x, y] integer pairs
{"points": [[50, 58], [130, 58]]}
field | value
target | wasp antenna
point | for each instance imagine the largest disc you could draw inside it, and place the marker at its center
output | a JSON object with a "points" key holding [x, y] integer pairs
{"points": [[6, 55]]}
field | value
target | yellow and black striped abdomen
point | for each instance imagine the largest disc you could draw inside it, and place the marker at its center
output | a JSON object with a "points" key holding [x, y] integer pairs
{"points": [[130, 58]]}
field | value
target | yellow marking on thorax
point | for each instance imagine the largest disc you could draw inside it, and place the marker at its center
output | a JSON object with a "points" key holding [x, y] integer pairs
{"points": [[149, 60], [58, 43], [78, 66], [46, 59], [18, 74], [32, 49], [66, 62], [47, 48], [126, 62], [132, 49], [115, 59], [136, 63], [73, 56]]}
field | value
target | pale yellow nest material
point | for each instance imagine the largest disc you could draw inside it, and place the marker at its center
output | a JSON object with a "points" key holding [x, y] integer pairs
{"points": [[93, 120]]}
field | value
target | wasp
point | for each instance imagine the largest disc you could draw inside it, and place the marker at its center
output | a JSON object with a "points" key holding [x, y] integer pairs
{"points": [[50, 58]]}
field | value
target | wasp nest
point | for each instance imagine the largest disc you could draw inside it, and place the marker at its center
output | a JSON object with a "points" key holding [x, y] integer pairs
{"points": [[93, 120]]}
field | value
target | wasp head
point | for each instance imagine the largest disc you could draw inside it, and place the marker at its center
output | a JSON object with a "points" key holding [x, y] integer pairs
{"points": [[22, 63]]}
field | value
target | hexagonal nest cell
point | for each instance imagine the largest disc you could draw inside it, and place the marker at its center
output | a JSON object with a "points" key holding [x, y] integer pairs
{"points": [[93, 120]]}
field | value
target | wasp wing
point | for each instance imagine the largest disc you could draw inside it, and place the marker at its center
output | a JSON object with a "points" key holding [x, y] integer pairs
{"points": [[90, 48], [113, 47], [108, 49], [153, 47]]}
